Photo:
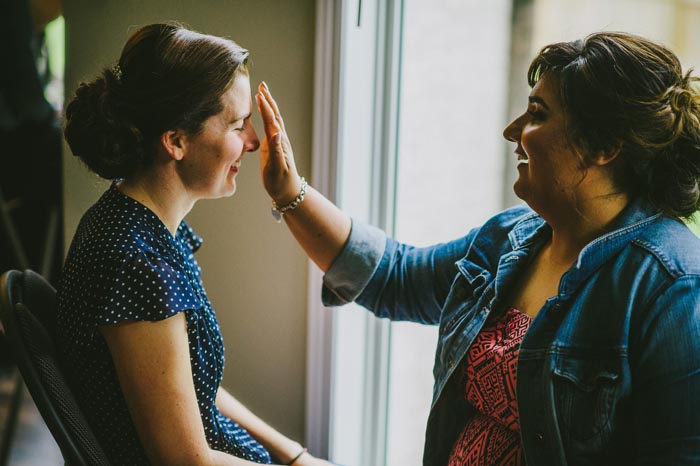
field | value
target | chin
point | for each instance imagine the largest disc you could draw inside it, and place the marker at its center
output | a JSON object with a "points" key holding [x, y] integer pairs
{"points": [[519, 190], [224, 192], [229, 191], [228, 188]]}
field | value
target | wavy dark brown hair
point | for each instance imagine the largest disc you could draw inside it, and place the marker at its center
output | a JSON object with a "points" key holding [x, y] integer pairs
{"points": [[624, 91]]}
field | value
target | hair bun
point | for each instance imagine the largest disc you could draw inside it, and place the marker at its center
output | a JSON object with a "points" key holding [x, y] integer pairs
{"points": [[677, 173], [99, 133], [680, 98]]}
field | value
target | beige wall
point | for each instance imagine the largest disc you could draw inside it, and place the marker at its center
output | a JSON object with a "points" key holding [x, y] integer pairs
{"points": [[671, 22], [254, 273]]}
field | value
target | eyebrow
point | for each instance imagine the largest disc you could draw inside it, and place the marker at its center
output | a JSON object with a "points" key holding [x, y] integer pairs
{"points": [[539, 100], [245, 117]]}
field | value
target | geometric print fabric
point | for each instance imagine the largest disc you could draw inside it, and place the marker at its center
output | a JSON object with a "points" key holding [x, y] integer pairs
{"points": [[488, 375]]}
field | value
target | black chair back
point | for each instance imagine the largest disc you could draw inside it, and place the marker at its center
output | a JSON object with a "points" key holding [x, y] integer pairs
{"points": [[28, 313]]}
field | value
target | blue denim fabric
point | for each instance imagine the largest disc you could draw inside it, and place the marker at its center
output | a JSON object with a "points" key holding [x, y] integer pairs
{"points": [[609, 371]]}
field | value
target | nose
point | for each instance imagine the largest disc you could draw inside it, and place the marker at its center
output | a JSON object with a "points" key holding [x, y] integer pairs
{"points": [[252, 142], [512, 131]]}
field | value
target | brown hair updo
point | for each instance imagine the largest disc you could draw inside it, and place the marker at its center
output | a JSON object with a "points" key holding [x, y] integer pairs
{"points": [[168, 77], [624, 91]]}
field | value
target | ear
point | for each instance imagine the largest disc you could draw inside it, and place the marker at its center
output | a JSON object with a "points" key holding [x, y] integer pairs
{"points": [[605, 156], [175, 143]]}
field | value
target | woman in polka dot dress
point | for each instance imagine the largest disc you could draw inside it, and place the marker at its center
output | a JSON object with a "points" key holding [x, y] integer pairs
{"points": [[169, 124]]}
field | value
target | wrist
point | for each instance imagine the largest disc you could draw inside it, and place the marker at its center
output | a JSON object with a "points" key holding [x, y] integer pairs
{"points": [[296, 459], [289, 193], [289, 449], [279, 209]]}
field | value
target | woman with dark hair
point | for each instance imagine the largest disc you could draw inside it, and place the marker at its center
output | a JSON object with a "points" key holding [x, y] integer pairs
{"points": [[590, 293], [170, 124]]}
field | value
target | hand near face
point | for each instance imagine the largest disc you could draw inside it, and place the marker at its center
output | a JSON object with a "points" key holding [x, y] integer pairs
{"points": [[279, 173]]}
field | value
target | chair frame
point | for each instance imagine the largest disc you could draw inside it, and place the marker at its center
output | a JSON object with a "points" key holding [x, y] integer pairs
{"points": [[11, 235], [12, 302]]}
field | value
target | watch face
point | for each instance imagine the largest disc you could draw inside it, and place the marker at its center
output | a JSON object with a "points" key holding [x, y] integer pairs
{"points": [[277, 215]]}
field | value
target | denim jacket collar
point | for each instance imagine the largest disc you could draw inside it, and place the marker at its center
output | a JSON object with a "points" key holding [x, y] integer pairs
{"points": [[528, 231], [532, 230]]}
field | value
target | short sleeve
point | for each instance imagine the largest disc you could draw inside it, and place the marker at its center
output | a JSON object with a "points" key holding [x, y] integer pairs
{"points": [[144, 287]]}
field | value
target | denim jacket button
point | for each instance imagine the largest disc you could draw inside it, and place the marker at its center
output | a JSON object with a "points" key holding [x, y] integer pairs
{"points": [[450, 362], [539, 438]]}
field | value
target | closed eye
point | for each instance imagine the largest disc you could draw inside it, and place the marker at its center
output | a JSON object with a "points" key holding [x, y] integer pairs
{"points": [[241, 122], [536, 114], [535, 107]]}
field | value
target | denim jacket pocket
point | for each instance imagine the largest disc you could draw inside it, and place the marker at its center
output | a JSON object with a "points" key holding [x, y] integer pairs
{"points": [[585, 397]]}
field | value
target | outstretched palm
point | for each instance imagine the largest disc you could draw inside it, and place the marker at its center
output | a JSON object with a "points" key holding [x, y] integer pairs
{"points": [[279, 173]]}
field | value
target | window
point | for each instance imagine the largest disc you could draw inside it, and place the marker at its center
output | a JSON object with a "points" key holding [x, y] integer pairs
{"points": [[412, 98], [450, 165], [55, 44], [406, 172]]}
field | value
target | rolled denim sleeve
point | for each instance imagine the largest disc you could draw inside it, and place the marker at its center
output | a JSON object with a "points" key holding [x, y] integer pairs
{"points": [[353, 268], [394, 280]]}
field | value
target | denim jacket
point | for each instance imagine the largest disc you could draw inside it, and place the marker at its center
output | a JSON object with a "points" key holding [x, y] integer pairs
{"points": [[609, 370]]}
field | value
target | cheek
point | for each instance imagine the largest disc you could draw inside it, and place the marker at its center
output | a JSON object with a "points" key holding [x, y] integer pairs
{"points": [[529, 143], [544, 149], [233, 146]]}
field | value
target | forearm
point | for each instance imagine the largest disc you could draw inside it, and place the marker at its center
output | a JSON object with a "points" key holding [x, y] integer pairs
{"points": [[279, 446], [320, 228]]}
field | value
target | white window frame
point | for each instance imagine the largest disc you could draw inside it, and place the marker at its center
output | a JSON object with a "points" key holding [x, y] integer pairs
{"points": [[354, 155]]}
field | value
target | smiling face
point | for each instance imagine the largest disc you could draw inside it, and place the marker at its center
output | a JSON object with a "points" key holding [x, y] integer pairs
{"points": [[212, 157], [549, 169]]}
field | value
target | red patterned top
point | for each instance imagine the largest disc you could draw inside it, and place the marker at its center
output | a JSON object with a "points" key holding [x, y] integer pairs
{"points": [[492, 436]]}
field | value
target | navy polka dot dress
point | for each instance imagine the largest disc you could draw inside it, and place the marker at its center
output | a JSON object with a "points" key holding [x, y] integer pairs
{"points": [[124, 265]]}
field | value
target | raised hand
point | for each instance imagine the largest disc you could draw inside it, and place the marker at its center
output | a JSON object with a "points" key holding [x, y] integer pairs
{"points": [[319, 226], [279, 173]]}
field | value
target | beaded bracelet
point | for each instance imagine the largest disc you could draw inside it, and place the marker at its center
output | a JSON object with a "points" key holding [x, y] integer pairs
{"points": [[278, 212]]}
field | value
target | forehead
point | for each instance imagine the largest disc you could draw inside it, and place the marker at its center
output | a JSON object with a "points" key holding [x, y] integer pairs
{"points": [[236, 100], [547, 88]]}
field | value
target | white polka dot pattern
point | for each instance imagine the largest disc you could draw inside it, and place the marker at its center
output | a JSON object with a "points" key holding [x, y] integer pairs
{"points": [[125, 265]]}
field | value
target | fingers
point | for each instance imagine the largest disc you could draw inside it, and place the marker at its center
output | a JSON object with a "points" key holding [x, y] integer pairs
{"points": [[267, 114], [273, 131], [265, 91]]}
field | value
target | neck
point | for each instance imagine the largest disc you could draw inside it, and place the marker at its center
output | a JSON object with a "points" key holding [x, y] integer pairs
{"points": [[161, 192], [581, 224]]}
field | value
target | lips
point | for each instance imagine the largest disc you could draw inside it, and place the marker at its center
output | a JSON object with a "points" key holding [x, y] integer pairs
{"points": [[522, 158]]}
